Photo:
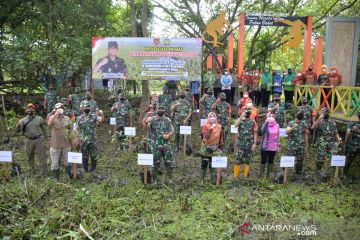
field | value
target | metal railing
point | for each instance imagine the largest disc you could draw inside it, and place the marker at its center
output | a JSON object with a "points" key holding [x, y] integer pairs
{"points": [[342, 101]]}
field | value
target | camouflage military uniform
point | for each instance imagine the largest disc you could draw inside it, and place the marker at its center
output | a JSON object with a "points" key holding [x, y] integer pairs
{"points": [[246, 130], [308, 114], [93, 105], [352, 146], [206, 105], [325, 142], [51, 100], [171, 85], [87, 135], [165, 100], [160, 147], [279, 113], [149, 136], [122, 114], [189, 98], [222, 113], [296, 143], [75, 104], [181, 113]]}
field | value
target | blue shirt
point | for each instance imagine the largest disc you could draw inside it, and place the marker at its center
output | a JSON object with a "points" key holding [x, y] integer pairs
{"points": [[226, 81], [194, 86]]}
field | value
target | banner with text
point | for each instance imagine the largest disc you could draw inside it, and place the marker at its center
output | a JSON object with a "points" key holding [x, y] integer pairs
{"points": [[146, 58]]}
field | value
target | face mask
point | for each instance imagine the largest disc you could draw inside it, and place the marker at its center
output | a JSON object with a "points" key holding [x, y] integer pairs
{"points": [[271, 123], [333, 71], [326, 116], [277, 100], [210, 93], [247, 114], [61, 111], [160, 113], [358, 115], [212, 120], [182, 96], [222, 99], [310, 69], [122, 99], [226, 73], [30, 113], [285, 73], [299, 74], [88, 98], [87, 110], [303, 103], [289, 72], [256, 74]]}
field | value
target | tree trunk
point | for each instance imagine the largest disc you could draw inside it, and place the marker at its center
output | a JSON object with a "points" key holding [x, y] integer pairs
{"points": [[145, 100]]}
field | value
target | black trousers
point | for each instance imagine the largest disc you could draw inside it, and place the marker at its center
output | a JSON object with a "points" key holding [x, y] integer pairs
{"points": [[228, 95], [289, 96], [232, 95], [216, 91], [265, 97], [196, 100], [256, 97], [267, 157]]}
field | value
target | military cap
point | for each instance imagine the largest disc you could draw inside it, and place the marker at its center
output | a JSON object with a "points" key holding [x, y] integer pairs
{"points": [[113, 44], [222, 94]]}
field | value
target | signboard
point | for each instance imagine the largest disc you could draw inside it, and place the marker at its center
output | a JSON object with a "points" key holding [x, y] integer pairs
{"points": [[129, 131], [145, 159], [5, 156], [233, 129], [75, 157], [282, 132], [270, 20], [112, 121], [287, 161], [186, 130], [218, 162], [154, 58], [202, 122], [338, 161]]}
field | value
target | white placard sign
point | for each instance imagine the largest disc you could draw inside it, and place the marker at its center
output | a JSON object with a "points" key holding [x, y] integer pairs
{"points": [[233, 129], [130, 131], [145, 159], [75, 157], [202, 122], [112, 121], [218, 162], [186, 130], [338, 161], [282, 132], [287, 161], [5, 156]]}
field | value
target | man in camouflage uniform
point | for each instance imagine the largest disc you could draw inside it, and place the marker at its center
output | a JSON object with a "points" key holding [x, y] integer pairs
{"points": [[171, 85], [122, 110], [89, 101], [87, 134], [147, 117], [309, 113], [161, 130], [327, 138], [189, 96], [182, 113], [278, 109], [297, 131], [247, 136], [207, 101], [352, 143], [74, 100], [51, 98], [223, 113], [165, 99]]}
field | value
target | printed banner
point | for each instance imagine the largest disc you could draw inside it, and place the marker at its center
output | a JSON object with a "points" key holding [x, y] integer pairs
{"points": [[268, 20], [146, 58]]}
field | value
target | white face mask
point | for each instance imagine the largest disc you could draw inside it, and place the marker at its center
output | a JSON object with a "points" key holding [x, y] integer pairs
{"points": [[333, 71], [226, 73], [212, 120]]}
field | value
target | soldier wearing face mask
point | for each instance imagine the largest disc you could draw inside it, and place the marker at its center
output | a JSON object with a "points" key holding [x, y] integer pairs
{"points": [[34, 130], [223, 113], [89, 101], [352, 143], [327, 138], [278, 109], [182, 114], [161, 130], [60, 145], [247, 137], [122, 111], [206, 102], [87, 134]]}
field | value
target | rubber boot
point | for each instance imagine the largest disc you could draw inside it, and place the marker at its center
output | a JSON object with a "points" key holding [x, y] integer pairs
{"points": [[68, 172], [155, 174], [246, 170], [212, 175], [236, 170], [269, 169], [169, 172], [86, 165], [93, 165], [177, 141], [262, 170], [203, 175], [56, 174]]}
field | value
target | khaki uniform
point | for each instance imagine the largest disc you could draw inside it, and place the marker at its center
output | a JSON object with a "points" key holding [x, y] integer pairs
{"points": [[35, 133]]}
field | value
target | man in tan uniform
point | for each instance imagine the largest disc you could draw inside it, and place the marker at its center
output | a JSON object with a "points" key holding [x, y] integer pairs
{"points": [[33, 128], [61, 126]]}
